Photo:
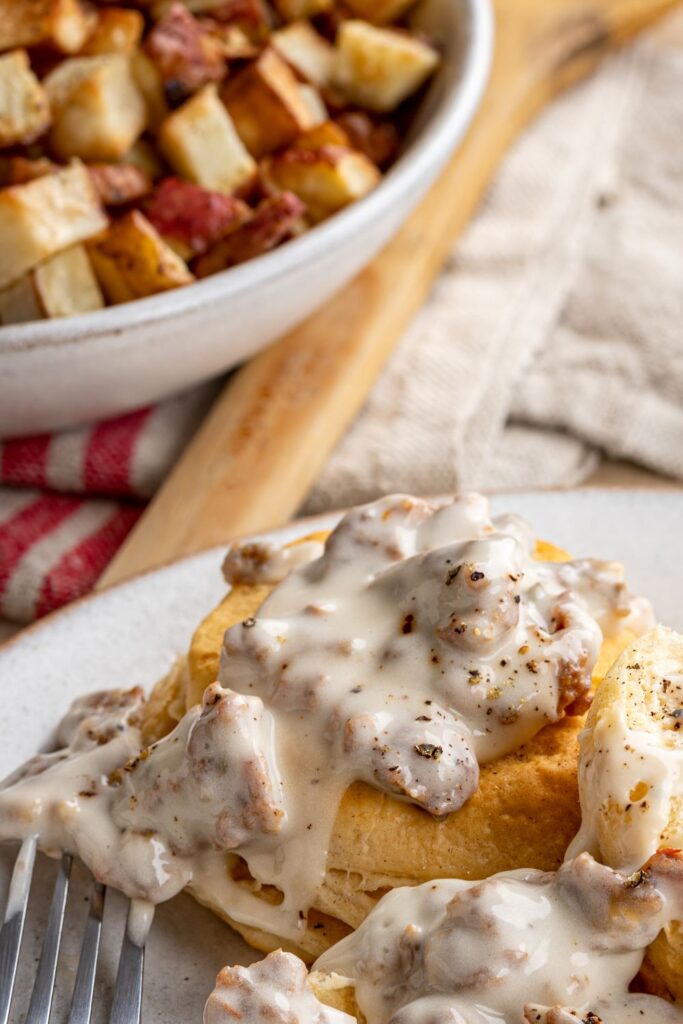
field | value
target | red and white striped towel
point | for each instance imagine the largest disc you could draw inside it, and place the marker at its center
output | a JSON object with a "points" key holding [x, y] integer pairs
{"points": [[68, 501]]}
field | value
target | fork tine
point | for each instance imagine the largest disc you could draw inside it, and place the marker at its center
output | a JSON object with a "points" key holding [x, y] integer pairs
{"points": [[81, 1001], [126, 1007], [13, 925], [43, 987]]}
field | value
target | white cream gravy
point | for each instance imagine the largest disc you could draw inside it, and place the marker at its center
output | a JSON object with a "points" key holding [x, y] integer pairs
{"points": [[477, 952], [424, 641]]}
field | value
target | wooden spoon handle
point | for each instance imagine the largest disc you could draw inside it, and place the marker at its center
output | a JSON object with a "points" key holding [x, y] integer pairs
{"points": [[254, 459]]}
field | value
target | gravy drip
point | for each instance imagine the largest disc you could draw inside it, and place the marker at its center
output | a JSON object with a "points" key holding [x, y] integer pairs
{"points": [[456, 952], [423, 642]]}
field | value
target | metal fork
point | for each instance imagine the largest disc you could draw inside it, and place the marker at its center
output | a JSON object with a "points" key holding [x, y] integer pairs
{"points": [[127, 1001]]}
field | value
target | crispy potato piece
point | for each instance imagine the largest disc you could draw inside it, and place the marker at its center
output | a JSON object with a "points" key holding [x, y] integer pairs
{"points": [[117, 184], [381, 12], [185, 56], [266, 104], [62, 24], [98, 110], [378, 68], [149, 82], [294, 10], [118, 30], [329, 133], [325, 179], [132, 261], [45, 216], [270, 224], [61, 286], [379, 140], [24, 107], [191, 218], [66, 284], [309, 53], [200, 142]]}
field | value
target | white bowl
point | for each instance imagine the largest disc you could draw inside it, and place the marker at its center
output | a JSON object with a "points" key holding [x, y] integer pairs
{"points": [[59, 373]]}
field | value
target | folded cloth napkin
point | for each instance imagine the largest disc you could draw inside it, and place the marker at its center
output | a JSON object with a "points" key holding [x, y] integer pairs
{"points": [[59, 526], [555, 332]]}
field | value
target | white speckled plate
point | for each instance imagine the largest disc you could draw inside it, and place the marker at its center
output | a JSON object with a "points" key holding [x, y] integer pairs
{"points": [[132, 633]]}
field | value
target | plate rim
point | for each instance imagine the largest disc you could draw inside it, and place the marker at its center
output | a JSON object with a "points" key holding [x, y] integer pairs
{"points": [[294, 525]]}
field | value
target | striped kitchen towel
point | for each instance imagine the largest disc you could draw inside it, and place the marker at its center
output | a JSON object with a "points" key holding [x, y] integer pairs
{"points": [[68, 500]]}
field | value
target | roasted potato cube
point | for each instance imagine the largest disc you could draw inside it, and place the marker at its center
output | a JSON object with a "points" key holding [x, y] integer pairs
{"points": [[309, 53], [381, 12], [325, 179], [132, 260], [191, 218], [294, 10], [63, 24], [97, 109], [186, 56], [267, 105], [378, 68], [270, 224], [148, 80], [66, 284], [118, 30], [329, 133], [45, 216], [117, 184], [233, 41], [24, 108], [200, 142]]}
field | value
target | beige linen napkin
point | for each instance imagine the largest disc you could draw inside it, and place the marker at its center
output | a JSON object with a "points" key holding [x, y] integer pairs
{"points": [[556, 330]]}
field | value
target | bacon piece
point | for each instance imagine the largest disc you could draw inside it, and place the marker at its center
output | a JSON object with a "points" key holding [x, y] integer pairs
{"points": [[117, 184], [378, 140], [193, 217], [272, 222], [185, 56]]}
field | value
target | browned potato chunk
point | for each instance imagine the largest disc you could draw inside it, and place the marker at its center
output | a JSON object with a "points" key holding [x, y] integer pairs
{"points": [[380, 11], [293, 10], [378, 68], [306, 50], [24, 108], [329, 133], [132, 261], [325, 179], [63, 24], [45, 216], [62, 286], [118, 30], [98, 111], [267, 105], [66, 284], [200, 142]]}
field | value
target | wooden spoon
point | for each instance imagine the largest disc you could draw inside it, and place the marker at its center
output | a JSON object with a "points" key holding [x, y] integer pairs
{"points": [[252, 462]]}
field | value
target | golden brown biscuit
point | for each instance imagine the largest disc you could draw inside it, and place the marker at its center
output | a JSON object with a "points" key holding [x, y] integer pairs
{"points": [[524, 813]]}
